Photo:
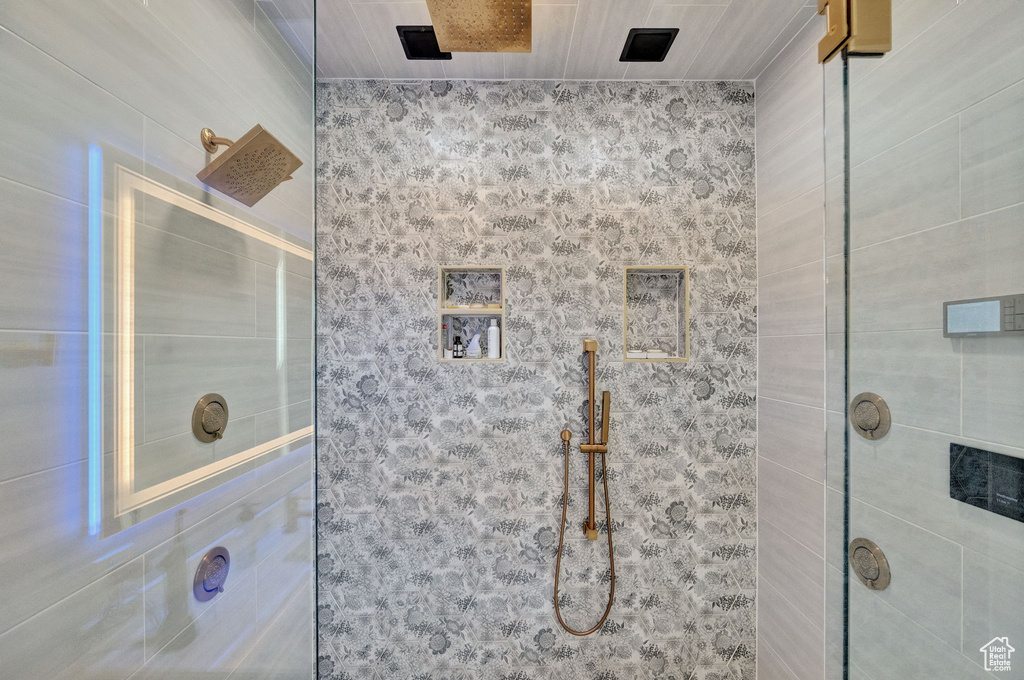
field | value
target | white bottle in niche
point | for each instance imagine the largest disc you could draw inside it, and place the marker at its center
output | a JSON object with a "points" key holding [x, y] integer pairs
{"points": [[493, 340]]}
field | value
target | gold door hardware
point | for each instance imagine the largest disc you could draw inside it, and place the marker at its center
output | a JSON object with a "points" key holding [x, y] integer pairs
{"points": [[861, 27], [592, 448]]}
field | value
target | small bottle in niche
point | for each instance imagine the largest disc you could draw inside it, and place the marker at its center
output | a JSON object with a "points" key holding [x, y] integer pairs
{"points": [[493, 340], [458, 351], [447, 353]]}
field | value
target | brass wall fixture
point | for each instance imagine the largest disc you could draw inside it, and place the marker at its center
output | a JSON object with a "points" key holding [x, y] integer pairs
{"points": [[250, 168], [211, 574], [482, 25], [860, 27], [591, 448], [870, 416], [210, 418], [869, 564]]}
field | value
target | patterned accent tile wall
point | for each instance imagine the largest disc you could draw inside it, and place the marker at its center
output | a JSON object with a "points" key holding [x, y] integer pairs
{"points": [[441, 483]]}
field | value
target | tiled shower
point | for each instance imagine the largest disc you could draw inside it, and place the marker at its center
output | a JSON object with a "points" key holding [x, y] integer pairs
{"points": [[439, 489], [305, 307]]}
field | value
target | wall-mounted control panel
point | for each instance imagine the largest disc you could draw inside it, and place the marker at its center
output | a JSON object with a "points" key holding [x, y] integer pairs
{"points": [[984, 316], [987, 480]]}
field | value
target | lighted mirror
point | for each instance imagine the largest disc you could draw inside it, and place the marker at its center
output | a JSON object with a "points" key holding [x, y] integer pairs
{"points": [[199, 298]]}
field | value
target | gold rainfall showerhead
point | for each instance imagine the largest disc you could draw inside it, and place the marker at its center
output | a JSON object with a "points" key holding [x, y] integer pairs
{"points": [[250, 168], [482, 25]]}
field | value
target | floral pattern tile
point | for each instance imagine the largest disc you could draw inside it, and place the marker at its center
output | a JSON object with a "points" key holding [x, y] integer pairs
{"points": [[441, 484]]}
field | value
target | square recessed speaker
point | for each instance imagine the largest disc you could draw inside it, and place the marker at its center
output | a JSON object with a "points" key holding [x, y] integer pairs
{"points": [[648, 44], [419, 42]]}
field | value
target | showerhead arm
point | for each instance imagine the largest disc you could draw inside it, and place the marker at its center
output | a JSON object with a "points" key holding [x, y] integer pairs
{"points": [[211, 141]]}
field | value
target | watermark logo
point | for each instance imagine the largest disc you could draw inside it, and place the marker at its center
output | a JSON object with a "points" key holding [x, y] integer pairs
{"points": [[997, 653]]}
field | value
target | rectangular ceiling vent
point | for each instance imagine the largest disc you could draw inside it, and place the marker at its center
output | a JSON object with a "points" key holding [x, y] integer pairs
{"points": [[419, 42], [648, 44]]}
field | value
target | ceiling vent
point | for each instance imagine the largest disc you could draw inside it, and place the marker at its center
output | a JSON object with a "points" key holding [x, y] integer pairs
{"points": [[419, 42], [648, 44]]}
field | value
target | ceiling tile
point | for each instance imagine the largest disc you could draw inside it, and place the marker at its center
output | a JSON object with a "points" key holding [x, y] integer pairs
{"points": [[341, 48], [695, 24], [552, 31], [745, 31], [598, 36], [378, 20], [475, 65]]}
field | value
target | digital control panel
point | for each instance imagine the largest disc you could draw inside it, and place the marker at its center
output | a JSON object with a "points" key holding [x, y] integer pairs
{"points": [[984, 316]]}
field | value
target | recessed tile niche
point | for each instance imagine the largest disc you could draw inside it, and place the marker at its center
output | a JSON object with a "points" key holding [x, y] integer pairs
{"points": [[468, 298], [656, 321]]}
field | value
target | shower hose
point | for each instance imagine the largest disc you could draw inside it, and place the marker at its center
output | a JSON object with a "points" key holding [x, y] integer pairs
{"points": [[561, 539]]}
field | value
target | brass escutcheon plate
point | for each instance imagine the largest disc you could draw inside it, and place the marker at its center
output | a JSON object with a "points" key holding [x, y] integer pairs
{"points": [[870, 416], [869, 564]]}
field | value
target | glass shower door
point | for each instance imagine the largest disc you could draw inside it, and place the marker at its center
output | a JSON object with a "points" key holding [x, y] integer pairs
{"points": [[925, 382]]}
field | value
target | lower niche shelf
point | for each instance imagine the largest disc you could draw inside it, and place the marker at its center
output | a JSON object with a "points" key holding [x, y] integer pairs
{"points": [[464, 325]]}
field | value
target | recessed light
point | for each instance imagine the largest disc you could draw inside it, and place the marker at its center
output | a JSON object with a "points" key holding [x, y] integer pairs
{"points": [[648, 44], [419, 42]]}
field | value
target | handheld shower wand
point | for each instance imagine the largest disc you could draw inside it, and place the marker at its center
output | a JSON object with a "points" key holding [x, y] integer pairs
{"points": [[592, 448]]}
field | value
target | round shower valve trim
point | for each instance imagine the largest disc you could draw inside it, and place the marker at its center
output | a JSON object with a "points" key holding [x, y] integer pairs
{"points": [[869, 416], [211, 574], [210, 418]]}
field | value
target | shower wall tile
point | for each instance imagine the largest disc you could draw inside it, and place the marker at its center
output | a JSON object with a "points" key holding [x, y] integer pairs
{"points": [[790, 101], [930, 78], [51, 116], [914, 486], [770, 665], [792, 302], [791, 235], [440, 483], [798, 641], [185, 288], [991, 589], [930, 569], [791, 357], [96, 632], [993, 152], [917, 371], [792, 435], [793, 368], [794, 570], [284, 304], [139, 87], [912, 186], [43, 261], [40, 368], [793, 53], [243, 373], [795, 169], [893, 645], [991, 401], [792, 502]]}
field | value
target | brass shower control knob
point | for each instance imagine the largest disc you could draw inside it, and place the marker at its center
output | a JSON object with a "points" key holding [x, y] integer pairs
{"points": [[210, 418], [869, 564], [869, 416]]}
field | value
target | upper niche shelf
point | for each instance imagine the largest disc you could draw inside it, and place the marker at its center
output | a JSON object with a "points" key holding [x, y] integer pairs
{"points": [[468, 298], [656, 317]]}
